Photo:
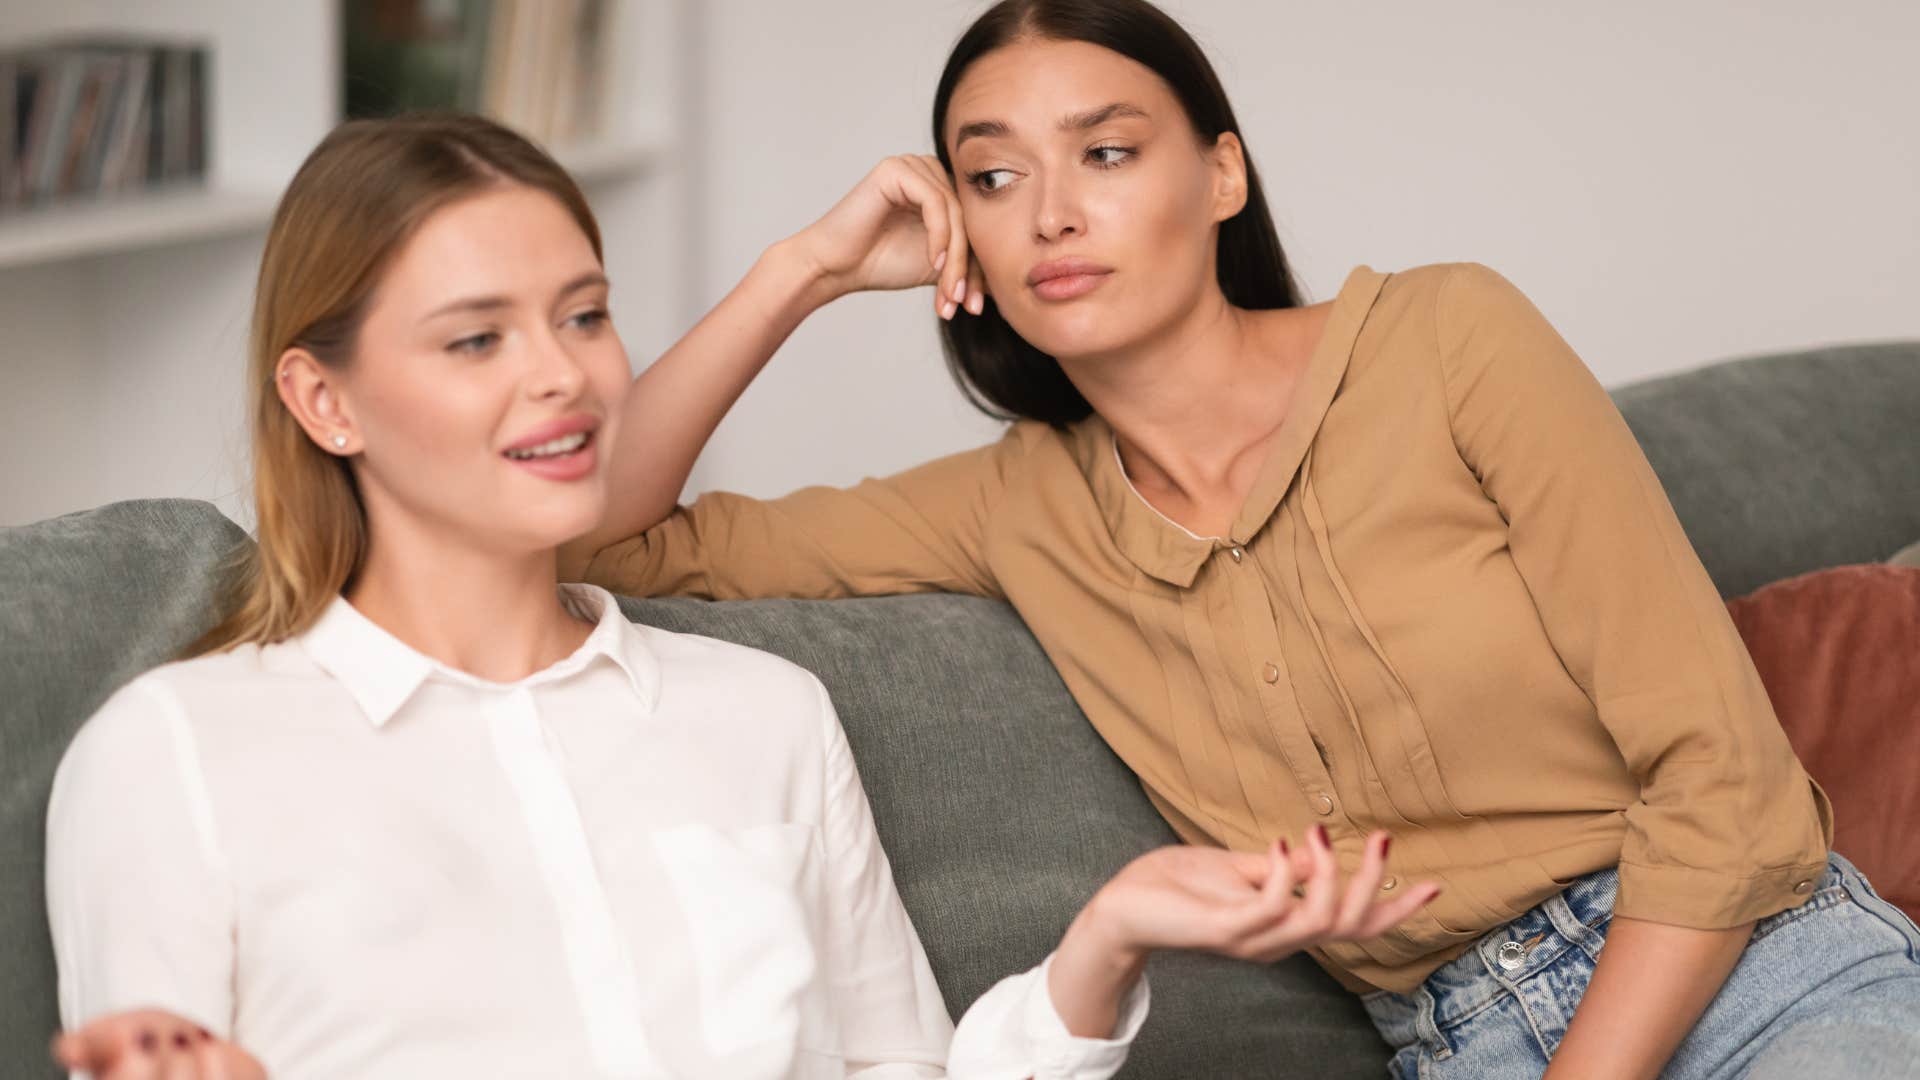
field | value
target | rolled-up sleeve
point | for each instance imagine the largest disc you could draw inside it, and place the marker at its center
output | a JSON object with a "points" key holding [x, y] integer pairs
{"points": [[923, 530], [1728, 825]]}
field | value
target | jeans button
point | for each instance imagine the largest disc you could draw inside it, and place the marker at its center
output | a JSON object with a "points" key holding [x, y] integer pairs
{"points": [[1512, 954]]}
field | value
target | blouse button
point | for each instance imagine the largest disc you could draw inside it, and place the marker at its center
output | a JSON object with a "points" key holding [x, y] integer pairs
{"points": [[1803, 888], [1270, 673], [1236, 553], [1324, 804]]}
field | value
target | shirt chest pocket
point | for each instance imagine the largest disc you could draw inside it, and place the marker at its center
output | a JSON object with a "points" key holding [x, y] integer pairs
{"points": [[751, 898]]}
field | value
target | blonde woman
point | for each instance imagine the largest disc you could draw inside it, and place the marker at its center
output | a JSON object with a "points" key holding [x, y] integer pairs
{"points": [[415, 810]]}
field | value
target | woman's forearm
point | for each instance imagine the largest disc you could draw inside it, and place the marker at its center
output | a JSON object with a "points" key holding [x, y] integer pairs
{"points": [[1091, 973], [676, 404], [1649, 987]]}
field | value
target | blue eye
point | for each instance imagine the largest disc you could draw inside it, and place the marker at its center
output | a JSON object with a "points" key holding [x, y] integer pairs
{"points": [[475, 345], [590, 320]]}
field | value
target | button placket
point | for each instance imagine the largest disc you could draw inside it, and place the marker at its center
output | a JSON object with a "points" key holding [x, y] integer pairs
{"points": [[1278, 703], [605, 981]]}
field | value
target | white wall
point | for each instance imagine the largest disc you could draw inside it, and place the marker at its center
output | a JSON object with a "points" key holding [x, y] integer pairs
{"points": [[120, 376], [1672, 182]]}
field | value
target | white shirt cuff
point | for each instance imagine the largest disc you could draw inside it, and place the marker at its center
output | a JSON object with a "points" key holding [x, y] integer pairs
{"points": [[1061, 1055]]}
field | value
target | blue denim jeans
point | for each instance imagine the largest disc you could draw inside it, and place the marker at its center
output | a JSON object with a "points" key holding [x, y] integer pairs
{"points": [[1830, 988]]}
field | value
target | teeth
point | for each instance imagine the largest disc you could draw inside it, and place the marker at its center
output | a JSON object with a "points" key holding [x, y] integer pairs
{"points": [[565, 444]]}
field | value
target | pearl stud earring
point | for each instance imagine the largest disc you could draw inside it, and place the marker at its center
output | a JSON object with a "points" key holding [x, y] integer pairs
{"points": [[339, 442]]}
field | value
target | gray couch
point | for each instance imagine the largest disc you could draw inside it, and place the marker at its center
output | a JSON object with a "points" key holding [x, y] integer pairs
{"points": [[1001, 808]]}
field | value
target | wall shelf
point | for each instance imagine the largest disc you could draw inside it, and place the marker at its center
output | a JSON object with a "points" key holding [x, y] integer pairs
{"points": [[183, 215]]}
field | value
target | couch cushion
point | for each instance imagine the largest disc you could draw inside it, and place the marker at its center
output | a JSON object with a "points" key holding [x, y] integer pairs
{"points": [[1778, 465], [1003, 811], [1000, 807], [87, 602], [1839, 652]]}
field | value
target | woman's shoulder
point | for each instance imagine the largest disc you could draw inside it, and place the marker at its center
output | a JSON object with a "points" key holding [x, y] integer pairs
{"points": [[1456, 292], [690, 655], [699, 668], [140, 735], [159, 704]]}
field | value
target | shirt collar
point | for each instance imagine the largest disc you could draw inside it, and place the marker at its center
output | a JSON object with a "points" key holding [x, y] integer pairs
{"points": [[1161, 547], [381, 672]]}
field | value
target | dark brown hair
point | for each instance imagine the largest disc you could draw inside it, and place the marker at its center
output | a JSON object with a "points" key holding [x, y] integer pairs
{"points": [[998, 370]]}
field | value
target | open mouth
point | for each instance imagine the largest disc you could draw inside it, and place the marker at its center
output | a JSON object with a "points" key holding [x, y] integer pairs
{"points": [[562, 447]]}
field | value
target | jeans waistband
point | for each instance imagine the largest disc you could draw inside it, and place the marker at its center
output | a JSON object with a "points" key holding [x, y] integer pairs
{"points": [[1507, 954]]}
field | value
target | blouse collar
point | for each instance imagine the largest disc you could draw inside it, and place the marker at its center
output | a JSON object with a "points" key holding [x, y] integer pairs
{"points": [[1160, 546], [381, 672]]}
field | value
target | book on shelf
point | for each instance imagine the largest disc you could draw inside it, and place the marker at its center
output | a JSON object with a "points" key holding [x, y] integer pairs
{"points": [[538, 66], [99, 116]]}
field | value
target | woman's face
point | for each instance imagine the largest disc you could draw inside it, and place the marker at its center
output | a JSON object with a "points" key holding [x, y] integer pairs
{"points": [[486, 380], [1089, 201]]}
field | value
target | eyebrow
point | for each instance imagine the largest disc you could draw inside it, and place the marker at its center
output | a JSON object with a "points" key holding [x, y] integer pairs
{"points": [[495, 303], [1080, 121]]}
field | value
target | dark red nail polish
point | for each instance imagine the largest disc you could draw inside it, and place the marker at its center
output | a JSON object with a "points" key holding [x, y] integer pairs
{"points": [[204, 1034], [147, 1042], [1283, 846], [180, 1040], [1321, 831], [1384, 845]]}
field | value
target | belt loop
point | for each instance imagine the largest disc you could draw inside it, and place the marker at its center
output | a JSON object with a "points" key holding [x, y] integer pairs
{"points": [[1424, 1025]]}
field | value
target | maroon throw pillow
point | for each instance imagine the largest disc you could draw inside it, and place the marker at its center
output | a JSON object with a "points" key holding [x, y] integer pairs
{"points": [[1839, 652]]}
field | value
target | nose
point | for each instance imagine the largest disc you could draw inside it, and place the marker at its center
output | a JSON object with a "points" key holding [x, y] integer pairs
{"points": [[1058, 213], [554, 375]]}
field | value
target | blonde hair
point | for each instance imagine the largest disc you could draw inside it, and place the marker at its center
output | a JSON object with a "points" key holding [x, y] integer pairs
{"points": [[354, 203]]}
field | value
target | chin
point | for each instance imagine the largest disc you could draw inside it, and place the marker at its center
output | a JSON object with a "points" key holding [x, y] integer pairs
{"points": [[1085, 332], [557, 522]]}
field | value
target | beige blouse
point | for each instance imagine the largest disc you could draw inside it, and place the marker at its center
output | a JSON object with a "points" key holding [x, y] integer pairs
{"points": [[1456, 605]]}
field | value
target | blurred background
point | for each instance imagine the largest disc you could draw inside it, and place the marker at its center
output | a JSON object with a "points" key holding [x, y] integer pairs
{"points": [[1672, 182]]}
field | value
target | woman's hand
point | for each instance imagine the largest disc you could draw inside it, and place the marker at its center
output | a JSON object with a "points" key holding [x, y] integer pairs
{"points": [[898, 228], [1261, 908], [152, 1044]]}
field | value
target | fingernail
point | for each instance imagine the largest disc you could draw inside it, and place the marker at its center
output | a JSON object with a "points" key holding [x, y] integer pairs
{"points": [[1283, 846], [148, 1042], [1321, 832], [180, 1040], [977, 302], [1385, 843], [946, 310], [960, 291], [205, 1035], [939, 262]]}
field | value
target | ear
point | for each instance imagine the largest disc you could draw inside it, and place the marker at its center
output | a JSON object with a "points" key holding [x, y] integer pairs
{"points": [[1229, 161], [311, 392]]}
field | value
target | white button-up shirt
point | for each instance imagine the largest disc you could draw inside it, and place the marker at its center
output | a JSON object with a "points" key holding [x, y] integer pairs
{"points": [[653, 858]]}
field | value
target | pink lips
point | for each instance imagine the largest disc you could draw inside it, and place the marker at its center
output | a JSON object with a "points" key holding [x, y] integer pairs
{"points": [[1064, 279], [569, 466]]}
